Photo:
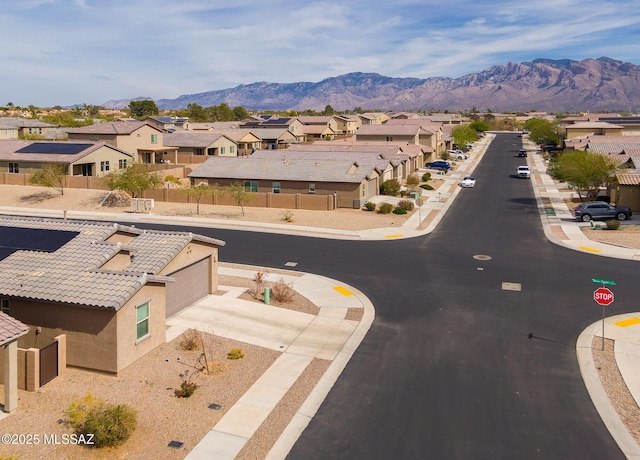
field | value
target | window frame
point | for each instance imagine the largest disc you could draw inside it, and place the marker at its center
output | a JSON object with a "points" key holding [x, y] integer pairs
{"points": [[145, 320], [14, 167]]}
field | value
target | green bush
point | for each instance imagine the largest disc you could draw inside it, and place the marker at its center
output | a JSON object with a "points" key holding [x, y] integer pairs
{"points": [[399, 210], [390, 187], [613, 224], [407, 205], [370, 206], [426, 176], [385, 208], [186, 389], [426, 187], [112, 425], [235, 353]]}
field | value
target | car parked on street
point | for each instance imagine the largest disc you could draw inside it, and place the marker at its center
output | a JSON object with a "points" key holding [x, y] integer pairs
{"points": [[522, 153], [457, 154], [439, 164], [597, 210], [468, 182]]}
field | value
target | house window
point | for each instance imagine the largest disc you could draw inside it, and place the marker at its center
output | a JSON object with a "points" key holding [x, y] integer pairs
{"points": [[389, 138], [232, 149], [223, 150], [4, 306], [364, 189], [275, 187], [142, 321], [251, 186], [14, 168], [154, 138], [312, 188], [104, 166], [122, 164], [199, 151]]}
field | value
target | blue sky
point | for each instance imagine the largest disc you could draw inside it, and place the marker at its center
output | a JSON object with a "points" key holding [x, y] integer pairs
{"points": [[63, 52]]}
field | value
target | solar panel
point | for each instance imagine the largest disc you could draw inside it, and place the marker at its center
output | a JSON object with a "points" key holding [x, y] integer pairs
{"points": [[64, 148], [13, 239]]}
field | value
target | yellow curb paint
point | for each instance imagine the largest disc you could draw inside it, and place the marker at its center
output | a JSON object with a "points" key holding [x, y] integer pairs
{"points": [[343, 291], [628, 322], [584, 248], [397, 235]]}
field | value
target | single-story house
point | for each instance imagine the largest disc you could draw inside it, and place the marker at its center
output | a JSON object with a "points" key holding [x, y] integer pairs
{"points": [[109, 288], [10, 331], [18, 127], [352, 183], [80, 159], [274, 138], [583, 129], [199, 143]]}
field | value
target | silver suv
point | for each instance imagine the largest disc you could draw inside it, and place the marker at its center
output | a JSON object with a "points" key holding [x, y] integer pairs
{"points": [[600, 210]]}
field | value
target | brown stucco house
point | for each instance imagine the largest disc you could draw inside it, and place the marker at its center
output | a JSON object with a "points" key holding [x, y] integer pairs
{"points": [[18, 127], [109, 288], [79, 158], [10, 331]]}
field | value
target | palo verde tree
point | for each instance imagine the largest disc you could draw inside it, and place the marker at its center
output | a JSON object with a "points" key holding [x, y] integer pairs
{"points": [[52, 175], [543, 131], [462, 134], [199, 191], [133, 180], [586, 172], [241, 194]]}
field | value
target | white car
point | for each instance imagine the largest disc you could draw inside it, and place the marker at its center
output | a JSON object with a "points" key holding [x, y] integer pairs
{"points": [[457, 154], [468, 182], [524, 172]]}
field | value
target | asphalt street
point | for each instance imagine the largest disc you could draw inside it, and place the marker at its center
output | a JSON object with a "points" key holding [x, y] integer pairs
{"points": [[472, 352]]}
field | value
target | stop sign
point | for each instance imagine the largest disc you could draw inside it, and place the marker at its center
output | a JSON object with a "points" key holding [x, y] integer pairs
{"points": [[603, 296]]}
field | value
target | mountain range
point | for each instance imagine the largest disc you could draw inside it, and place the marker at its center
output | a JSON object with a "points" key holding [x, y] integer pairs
{"points": [[602, 84]]}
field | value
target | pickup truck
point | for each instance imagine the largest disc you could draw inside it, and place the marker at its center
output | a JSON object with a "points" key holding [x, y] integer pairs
{"points": [[524, 172], [439, 165]]}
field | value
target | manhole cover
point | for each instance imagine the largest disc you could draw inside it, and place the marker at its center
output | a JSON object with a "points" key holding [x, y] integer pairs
{"points": [[481, 257]]}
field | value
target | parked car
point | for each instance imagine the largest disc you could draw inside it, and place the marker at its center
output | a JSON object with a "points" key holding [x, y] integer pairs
{"points": [[524, 172], [457, 154], [439, 164], [600, 210], [522, 153], [468, 182]]}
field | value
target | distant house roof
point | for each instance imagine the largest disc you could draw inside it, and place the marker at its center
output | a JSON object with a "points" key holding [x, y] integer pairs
{"points": [[72, 275], [372, 157], [390, 130], [284, 169], [113, 128], [315, 120], [48, 151], [18, 122], [11, 329]]}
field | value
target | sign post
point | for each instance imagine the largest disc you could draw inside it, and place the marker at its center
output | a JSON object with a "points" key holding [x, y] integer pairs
{"points": [[603, 297], [419, 204]]}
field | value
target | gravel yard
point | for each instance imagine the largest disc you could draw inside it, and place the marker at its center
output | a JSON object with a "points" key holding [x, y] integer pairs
{"points": [[148, 384]]}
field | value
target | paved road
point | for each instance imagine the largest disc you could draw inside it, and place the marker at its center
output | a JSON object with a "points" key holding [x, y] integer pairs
{"points": [[447, 369]]}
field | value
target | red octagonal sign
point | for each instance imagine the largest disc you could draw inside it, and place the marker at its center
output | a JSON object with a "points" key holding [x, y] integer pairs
{"points": [[603, 296]]}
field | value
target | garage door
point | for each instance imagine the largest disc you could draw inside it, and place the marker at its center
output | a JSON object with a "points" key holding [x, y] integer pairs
{"points": [[191, 285]]}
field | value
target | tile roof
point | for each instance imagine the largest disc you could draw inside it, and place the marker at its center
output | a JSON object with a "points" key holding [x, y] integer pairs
{"points": [[389, 130], [113, 128], [191, 139], [11, 329], [17, 122], [72, 274], [628, 178], [291, 169], [10, 150]]}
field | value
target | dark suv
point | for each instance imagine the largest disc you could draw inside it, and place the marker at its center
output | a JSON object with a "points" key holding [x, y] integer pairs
{"points": [[600, 210]]}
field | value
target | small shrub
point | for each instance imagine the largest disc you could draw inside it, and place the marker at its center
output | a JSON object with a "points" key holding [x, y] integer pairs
{"points": [[190, 340], [413, 180], [613, 224], [186, 389], [426, 176], [370, 206], [287, 216], [112, 425], [385, 208], [399, 210], [282, 292], [407, 205], [426, 187], [404, 193], [445, 155], [235, 353], [390, 187]]}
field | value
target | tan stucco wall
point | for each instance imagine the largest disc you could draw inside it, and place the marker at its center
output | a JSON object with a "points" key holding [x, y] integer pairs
{"points": [[128, 351], [105, 154]]}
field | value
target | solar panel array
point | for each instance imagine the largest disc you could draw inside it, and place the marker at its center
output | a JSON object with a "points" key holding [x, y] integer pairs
{"points": [[57, 148]]}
